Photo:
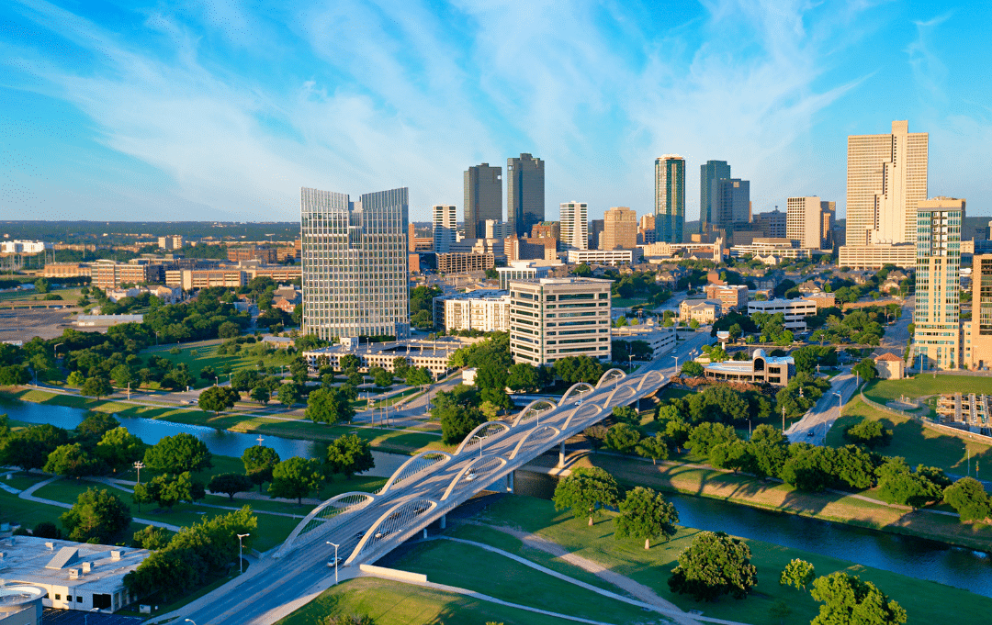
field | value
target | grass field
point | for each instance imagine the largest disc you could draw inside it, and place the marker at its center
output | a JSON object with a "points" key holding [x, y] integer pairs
{"points": [[69, 297], [884, 391], [204, 354], [914, 442]]}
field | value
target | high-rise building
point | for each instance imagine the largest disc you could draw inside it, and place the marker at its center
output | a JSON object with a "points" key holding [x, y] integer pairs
{"points": [[619, 229], [710, 171], [354, 264], [574, 232], [524, 193], [828, 213], [540, 334], [669, 198], [445, 227], [976, 351], [886, 178], [646, 229], [805, 222], [483, 198], [595, 232], [730, 200], [773, 224], [938, 282], [497, 229]]}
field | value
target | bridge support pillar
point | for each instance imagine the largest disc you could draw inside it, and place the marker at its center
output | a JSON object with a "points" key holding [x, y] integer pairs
{"points": [[425, 533], [561, 455], [509, 482], [444, 521]]}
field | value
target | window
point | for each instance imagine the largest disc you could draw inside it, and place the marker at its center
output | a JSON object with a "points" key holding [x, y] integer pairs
{"points": [[58, 597]]}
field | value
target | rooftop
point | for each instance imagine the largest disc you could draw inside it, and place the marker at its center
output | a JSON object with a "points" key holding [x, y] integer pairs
{"points": [[65, 563]]}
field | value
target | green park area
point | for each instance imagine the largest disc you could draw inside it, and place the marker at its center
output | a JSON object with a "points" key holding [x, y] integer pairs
{"points": [[203, 354], [505, 523], [883, 391]]}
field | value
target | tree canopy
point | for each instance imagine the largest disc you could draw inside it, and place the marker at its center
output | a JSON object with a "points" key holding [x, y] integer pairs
{"points": [[349, 455], [714, 564], [586, 492], [645, 515], [179, 453], [98, 516], [849, 601]]}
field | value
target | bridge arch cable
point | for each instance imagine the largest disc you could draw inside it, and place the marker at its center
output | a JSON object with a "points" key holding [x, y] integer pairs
{"points": [[324, 517], [416, 465], [479, 435], [538, 435], [391, 526], [610, 376], [576, 390], [596, 411], [478, 470], [650, 375], [533, 410]]}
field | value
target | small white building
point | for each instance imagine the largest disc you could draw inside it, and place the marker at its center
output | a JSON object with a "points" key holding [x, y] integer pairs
{"points": [[74, 576], [661, 340], [485, 310], [794, 310]]}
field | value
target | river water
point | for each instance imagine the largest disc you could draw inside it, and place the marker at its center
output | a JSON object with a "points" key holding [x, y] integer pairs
{"points": [[915, 557]]}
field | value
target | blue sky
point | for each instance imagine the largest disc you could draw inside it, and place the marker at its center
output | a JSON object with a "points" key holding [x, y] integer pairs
{"points": [[222, 109]]}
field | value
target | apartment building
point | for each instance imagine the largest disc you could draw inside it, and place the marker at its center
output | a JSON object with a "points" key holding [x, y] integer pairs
{"points": [[730, 296], [464, 263], [485, 310]]}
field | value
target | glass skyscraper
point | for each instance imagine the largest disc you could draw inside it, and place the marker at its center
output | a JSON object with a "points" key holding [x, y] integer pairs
{"points": [[524, 193], [354, 263], [708, 172], [483, 198], [669, 198]]}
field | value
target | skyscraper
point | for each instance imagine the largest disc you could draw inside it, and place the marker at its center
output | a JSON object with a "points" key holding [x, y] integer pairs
{"points": [[708, 172], [938, 282], [524, 193], [354, 263], [483, 198], [805, 222], [669, 198], [445, 227], [730, 201], [574, 227], [619, 229], [977, 348]]}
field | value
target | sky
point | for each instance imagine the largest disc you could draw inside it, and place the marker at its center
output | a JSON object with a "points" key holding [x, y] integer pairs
{"points": [[222, 109]]}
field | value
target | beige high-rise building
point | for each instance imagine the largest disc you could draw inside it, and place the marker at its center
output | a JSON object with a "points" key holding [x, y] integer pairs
{"points": [[646, 229], [574, 225], [619, 229], [976, 335], [938, 283], [886, 179], [804, 221]]}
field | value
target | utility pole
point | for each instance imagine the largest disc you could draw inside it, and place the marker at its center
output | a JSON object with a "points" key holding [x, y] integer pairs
{"points": [[783, 419]]}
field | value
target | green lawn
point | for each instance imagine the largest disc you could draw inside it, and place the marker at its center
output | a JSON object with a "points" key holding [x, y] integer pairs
{"points": [[204, 354], [22, 480], [69, 297], [26, 513], [393, 603], [914, 442], [884, 391]]}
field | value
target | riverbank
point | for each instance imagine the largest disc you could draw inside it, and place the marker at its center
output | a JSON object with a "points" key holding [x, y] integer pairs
{"points": [[859, 511]]}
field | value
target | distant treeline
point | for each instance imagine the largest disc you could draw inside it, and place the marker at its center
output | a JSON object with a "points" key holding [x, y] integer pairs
{"points": [[88, 231]]}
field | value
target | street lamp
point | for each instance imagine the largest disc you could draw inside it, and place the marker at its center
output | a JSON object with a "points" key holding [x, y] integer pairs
{"points": [[139, 465], [189, 620], [676, 364], [480, 443], [335, 561], [241, 562], [840, 402], [57, 350]]}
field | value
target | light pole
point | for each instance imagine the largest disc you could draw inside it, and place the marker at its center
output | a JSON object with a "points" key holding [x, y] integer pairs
{"points": [[189, 620], [783, 419], [241, 561], [139, 465], [480, 443], [335, 561], [676, 364], [57, 350]]}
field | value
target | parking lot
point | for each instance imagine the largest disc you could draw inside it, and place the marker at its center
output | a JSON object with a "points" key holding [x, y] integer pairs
{"points": [[23, 324]]}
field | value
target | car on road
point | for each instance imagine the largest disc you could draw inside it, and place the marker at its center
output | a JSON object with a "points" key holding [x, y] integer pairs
{"points": [[811, 433], [470, 476], [578, 402], [334, 561]]}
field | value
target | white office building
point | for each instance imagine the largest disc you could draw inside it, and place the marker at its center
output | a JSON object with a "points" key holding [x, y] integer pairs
{"points": [[554, 318], [521, 270], [794, 310], [485, 310], [445, 227], [604, 257], [574, 225]]}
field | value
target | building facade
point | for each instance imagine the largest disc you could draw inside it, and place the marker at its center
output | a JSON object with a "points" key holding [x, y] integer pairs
{"points": [[524, 193], [484, 310], [354, 264], [731, 296], [795, 311], [108, 274], [605, 257], [937, 339], [645, 232], [261, 253], [573, 225], [483, 198], [976, 335], [700, 311], [730, 199], [805, 222], [761, 369], [709, 172], [619, 229], [661, 340], [521, 270], [554, 318], [445, 227], [669, 198], [773, 224], [464, 263]]}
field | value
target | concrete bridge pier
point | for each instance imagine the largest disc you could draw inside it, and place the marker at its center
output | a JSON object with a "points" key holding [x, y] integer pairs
{"points": [[561, 455], [509, 482], [444, 521]]}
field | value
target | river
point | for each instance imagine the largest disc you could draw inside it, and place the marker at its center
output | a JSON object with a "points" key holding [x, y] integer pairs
{"points": [[914, 557]]}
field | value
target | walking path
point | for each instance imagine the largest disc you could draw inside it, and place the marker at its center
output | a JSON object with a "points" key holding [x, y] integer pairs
{"points": [[28, 495], [128, 486]]}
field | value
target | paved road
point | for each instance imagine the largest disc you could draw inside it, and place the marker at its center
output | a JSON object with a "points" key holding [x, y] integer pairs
{"points": [[815, 424], [896, 335]]}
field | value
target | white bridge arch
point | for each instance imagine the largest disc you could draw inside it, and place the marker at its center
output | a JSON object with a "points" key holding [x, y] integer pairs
{"points": [[480, 468], [534, 436], [424, 461], [613, 375], [394, 521], [579, 388], [534, 410], [482, 432], [323, 517]]}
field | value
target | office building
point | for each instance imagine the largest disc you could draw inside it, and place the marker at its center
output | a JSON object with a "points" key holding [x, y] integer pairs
{"points": [[465, 263], [261, 253], [524, 193], [828, 213], [483, 198], [445, 227], [976, 335], [805, 222], [67, 270], [497, 229], [521, 270], [595, 232], [619, 229], [604, 257], [936, 340], [730, 200], [730, 296], [669, 198], [108, 274], [170, 242], [761, 369], [886, 179], [546, 230], [661, 340], [554, 318], [354, 264], [645, 232], [795, 311], [710, 172], [432, 354], [573, 224], [484, 310], [773, 224]]}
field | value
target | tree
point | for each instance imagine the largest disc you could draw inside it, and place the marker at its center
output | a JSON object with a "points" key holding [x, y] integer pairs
{"points": [[706, 436], [644, 514], [866, 369], [151, 538], [381, 377], [418, 376], [586, 491], [299, 370], [259, 462], [596, 436], [871, 434], [350, 455], [849, 601], [289, 394], [523, 376], [30, 448], [626, 414], [261, 394], [168, 489], [95, 425], [457, 421], [75, 379], [72, 461], [46, 529], [230, 484], [217, 398], [328, 406], [98, 516], [179, 453], [969, 499], [714, 564], [655, 447], [244, 380], [295, 478], [622, 438], [798, 574], [228, 330], [41, 285], [96, 386]]}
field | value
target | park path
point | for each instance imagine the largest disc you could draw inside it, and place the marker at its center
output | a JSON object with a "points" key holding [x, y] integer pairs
{"points": [[128, 487]]}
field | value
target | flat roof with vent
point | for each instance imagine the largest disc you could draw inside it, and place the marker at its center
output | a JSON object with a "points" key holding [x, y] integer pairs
{"points": [[47, 562]]}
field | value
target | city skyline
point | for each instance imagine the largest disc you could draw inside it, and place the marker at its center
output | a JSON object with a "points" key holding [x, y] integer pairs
{"points": [[223, 112]]}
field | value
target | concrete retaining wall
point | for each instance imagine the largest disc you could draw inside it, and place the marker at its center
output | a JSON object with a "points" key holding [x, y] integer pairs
{"points": [[400, 576]]}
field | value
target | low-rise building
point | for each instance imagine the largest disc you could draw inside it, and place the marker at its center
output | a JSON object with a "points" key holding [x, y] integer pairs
{"points": [[890, 367], [195, 279], [109, 274], [486, 310], [75, 576], [761, 369], [604, 257], [105, 321], [170, 242], [821, 299], [703, 311], [661, 340], [433, 354], [67, 270], [731, 296], [877, 255], [24, 247], [794, 310], [464, 263], [261, 253]]}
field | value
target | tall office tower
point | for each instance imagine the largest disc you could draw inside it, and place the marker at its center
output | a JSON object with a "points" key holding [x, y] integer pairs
{"points": [[773, 224], [709, 171], [595, 233], [669, 198], [483, 198], [730, 201], [354, 264], [646, 229], [938, 282], [445, 227], [574, 228], [524, 193], [976, 352], [886, 178], [805, 222], [828, 211], [619, 229]]}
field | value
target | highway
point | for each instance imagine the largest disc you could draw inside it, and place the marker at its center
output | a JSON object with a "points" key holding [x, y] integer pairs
{"points": [[815, 424], [413, 503]]}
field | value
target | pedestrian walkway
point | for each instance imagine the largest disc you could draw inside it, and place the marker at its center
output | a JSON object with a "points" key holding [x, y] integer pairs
{"points": [[28, 495]]}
